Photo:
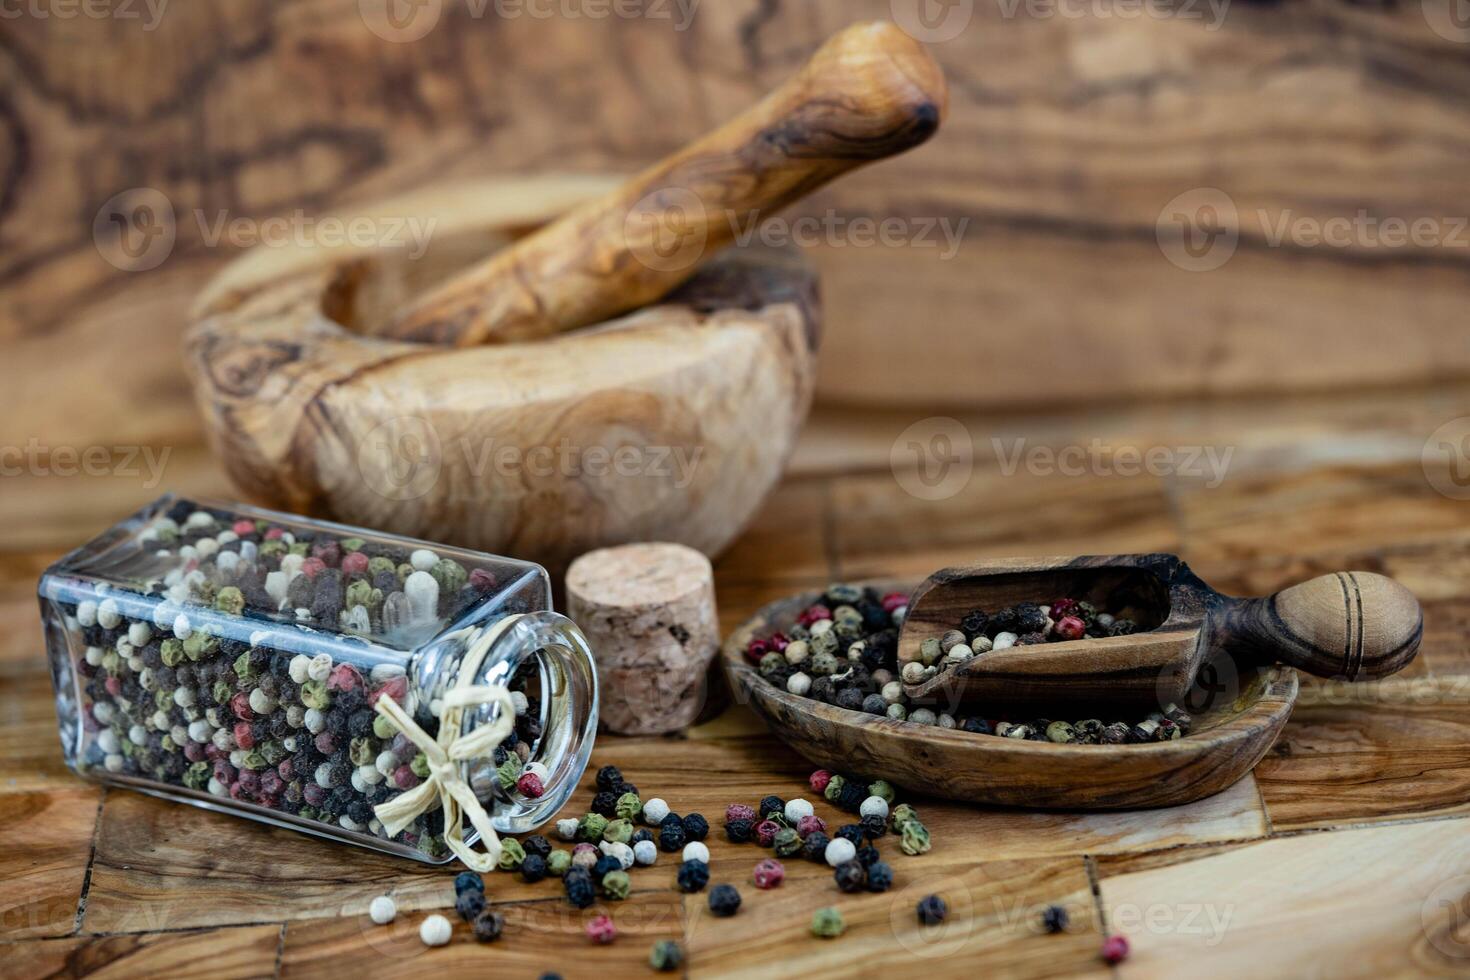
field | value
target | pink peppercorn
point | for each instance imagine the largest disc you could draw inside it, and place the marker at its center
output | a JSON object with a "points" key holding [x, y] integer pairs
{"points": [[237, 792], [757, 649], [819, 780], [275, 533], [314, 793], [810, 824], [240, 705], [312, 567], [113, 685], [193, 751], [344, 677], [243, 527], [325, 742], [271, 784], [814, 614], [214, 753], [224, 772], [778, 642], [893, 600], [766, 831], [1070, 628], [530, 785], [395, 688], [1063, 607], [329, 552], [354, 563], [482, 580], [249, 781], [1114, 950], [405, 778], [769, 873], [286, 770], [739, 811], [244, 737], [600, 929]]}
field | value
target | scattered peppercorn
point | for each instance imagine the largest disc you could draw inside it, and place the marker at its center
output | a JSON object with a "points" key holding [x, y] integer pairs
{"points": [[606, 804], [932, 910], [533, 868], [666, 956], [1053, 919], [769, 873], [739, 811], [601, 929], [467, 880], [488, 926], [724, 900], [874, 827], [609, 778], [880, 877], [578, 884], [1114, 950], [814, 848], [616, 885], [536, 844], [772, 806], [692, 876], [469, 904], [696, 828], [766, 831], [671, 837], [851, 876], [739, 831], [827, 923], [819, 780]]}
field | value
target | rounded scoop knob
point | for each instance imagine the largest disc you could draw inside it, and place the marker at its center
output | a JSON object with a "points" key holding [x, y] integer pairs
{"points": [[1349, 625]]}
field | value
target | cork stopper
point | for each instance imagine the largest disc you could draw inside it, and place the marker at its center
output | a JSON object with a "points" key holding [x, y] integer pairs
{"points": [[648, 611]]}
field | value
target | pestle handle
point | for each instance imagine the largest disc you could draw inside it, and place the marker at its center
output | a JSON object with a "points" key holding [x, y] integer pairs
{"points": [[869, 92], [1349, 625]]}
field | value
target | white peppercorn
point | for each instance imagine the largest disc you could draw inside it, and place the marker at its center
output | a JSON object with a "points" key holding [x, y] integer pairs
{"points": [[923, 716], [382, 910], [1003, 641], [797, 651], [898, 712], [645, 852], [874, 806], [799, 684], [435, 931], [695, 851], [839, 850], [565, 829], [796, 809], [654, 811]]}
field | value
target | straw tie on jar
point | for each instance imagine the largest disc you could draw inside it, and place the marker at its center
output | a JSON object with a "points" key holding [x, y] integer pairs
{"points": [[445, 783]]}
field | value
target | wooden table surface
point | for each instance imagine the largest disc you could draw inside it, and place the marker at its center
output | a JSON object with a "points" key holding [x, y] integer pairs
{"points": [[1346, 853]]}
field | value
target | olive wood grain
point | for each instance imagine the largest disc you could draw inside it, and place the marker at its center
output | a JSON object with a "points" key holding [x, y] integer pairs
{"points": [[1229, 736], [1349, 625], [707, 391], [871, 91]]}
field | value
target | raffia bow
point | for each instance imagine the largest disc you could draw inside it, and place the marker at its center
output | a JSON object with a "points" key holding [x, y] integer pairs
{"points": [[445, 785]]}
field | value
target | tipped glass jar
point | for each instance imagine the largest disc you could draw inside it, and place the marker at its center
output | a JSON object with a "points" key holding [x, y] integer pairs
{"points": [[230, 657]]}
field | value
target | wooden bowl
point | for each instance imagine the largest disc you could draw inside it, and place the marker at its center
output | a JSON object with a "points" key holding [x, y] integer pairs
{"points": [[311, 412], [1225, 743]]}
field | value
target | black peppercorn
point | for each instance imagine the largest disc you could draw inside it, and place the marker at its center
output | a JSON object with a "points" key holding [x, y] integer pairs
{"points": [[605, 864], [851, 797], [851, 876], [874, 826], [488, 926], [537, 844], [880, 877], [671, 819], [771, 806], [976, 726], [693, 876], [605, 803], [850, 698], [974, 624], [625, 787], [1029, 618], [724, 900], [640, 835], [469, 904], [671, 837], [814, 847], [739, 831], [853, 832], [932, 910], [867, 856], [578, 883], [1053, 919], [533, 868], [696, 827], [609, 778]]}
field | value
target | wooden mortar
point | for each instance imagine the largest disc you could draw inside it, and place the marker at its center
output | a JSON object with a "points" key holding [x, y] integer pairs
{"points": [[669, 423]]}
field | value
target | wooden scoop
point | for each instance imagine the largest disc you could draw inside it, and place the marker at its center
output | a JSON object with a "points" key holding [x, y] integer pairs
{"points": [[871, 91], [1347, 625]]}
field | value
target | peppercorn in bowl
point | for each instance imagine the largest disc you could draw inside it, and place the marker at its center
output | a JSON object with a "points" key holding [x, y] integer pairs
{"points": [[1232, 718]]}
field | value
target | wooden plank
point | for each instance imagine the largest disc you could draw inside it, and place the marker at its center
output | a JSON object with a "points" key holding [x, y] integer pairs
{"points": [[1356, 753], [45, 841], [213, 954], [32, 758], [539, 937], [1376, 902]]}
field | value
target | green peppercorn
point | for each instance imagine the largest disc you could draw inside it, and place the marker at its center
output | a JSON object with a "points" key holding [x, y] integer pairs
{"points": [[666, 956], [172, 651], [591, 828], [629, 807], [619, 831], [1060, 731], [827, 923], [420, 766], [508, 772], [314, 694], [230, 601], [787, 842], [883, 790], [902, 814], [511, 854], [914, 838], [834, 788], [383, 728], [615, 885], [557, 862]]}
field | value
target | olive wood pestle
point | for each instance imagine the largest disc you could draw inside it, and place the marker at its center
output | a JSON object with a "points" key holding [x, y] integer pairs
{"points": [[869, 92]]}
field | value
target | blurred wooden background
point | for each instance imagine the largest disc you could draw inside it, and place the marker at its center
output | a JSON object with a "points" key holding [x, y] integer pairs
{"points": [[1067, 137]]}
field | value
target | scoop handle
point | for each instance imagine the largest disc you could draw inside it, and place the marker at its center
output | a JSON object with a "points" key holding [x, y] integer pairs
{"points": [[1347, 625], [869, 92]]}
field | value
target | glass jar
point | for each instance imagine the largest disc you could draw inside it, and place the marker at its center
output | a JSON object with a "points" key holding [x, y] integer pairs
{"points": [[229, 657]]}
